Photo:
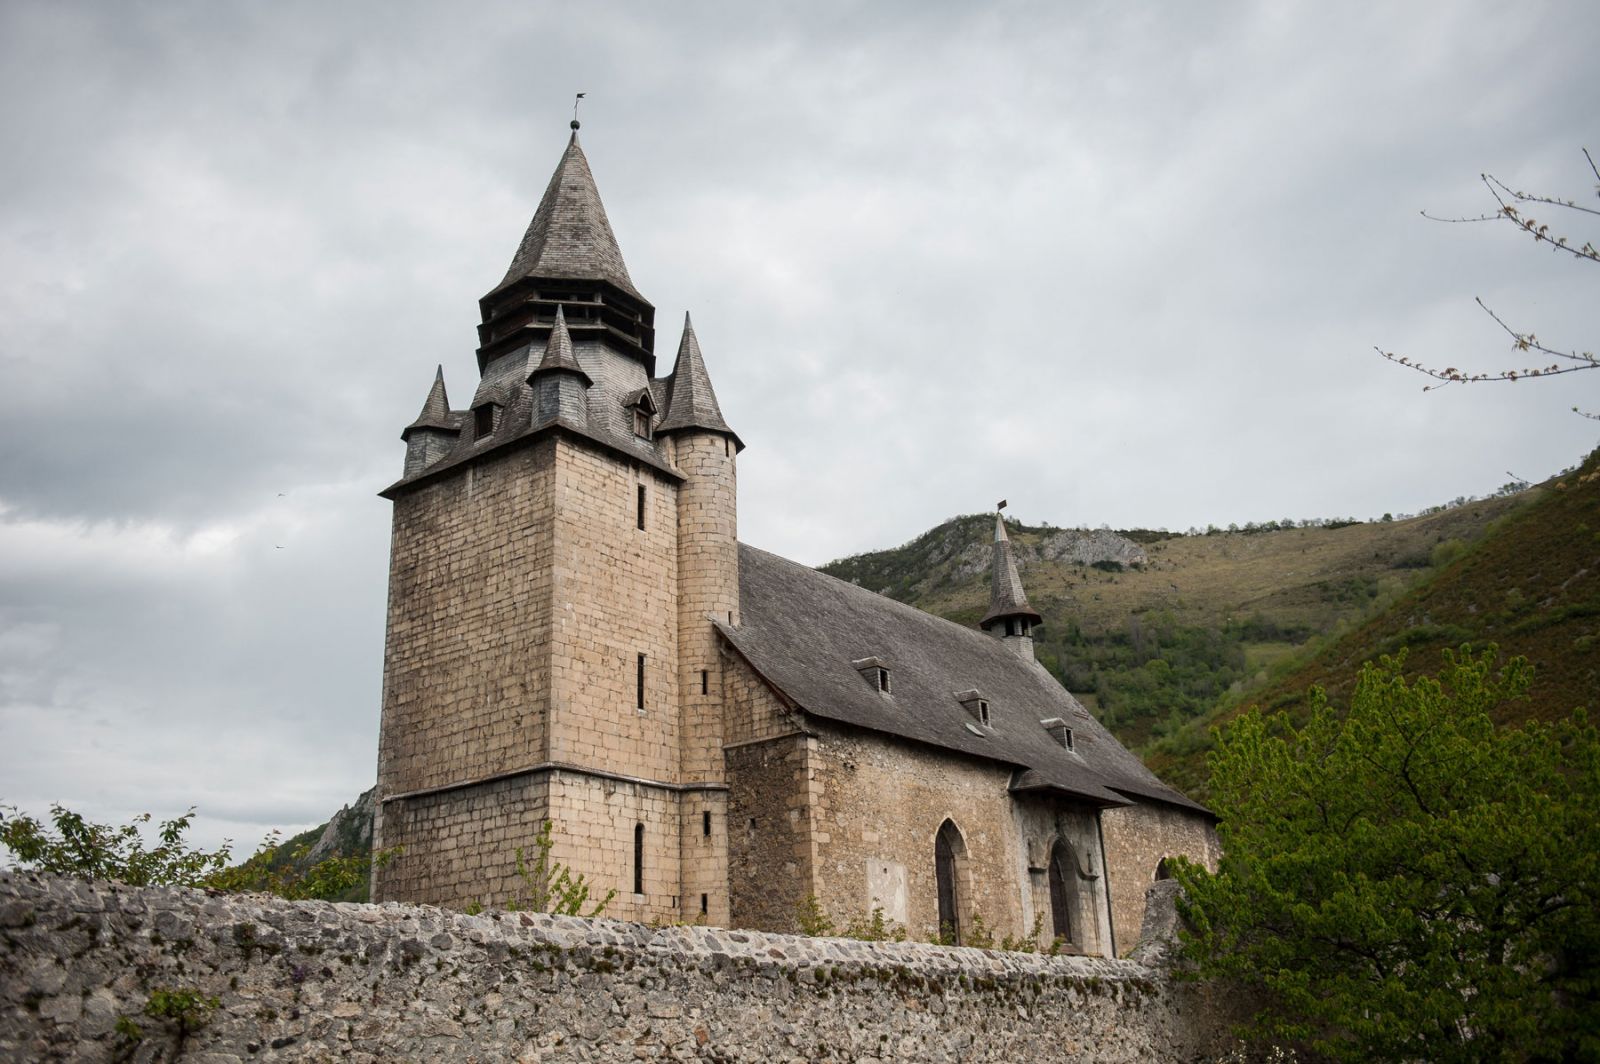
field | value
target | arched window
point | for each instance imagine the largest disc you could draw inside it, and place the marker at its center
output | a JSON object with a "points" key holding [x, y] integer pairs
{"points": [[1063, 891], [638, 858], [1163, 870], [946, 848]]}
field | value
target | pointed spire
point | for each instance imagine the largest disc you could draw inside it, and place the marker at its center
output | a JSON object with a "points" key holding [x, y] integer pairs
{"points": [[558, 355], [1006, 597], [691, 402], [435, 410], [570, 237]]}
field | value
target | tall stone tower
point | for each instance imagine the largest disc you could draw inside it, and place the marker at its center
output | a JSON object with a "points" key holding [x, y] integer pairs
{"points": [[562, 550]]}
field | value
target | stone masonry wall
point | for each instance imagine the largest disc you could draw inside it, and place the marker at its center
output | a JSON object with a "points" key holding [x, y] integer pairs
{"points": [[616, 597], [459, 846], [879, 806], [368, 983], [1136, 839], [469, 581], [771, 864], [708, 586]]}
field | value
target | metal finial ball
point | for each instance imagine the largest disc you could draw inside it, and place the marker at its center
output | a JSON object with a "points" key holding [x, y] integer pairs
{"points": [[574, 123]]}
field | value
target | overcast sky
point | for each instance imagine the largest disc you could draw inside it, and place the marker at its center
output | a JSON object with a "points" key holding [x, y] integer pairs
{"points": [[1120, 263]]}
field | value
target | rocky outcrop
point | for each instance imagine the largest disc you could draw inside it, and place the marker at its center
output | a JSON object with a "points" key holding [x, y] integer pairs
{"points": [[101, 972], [1072, 546]]}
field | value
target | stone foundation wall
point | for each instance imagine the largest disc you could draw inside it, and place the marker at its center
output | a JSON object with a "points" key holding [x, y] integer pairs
{"points": [[316, 981]]}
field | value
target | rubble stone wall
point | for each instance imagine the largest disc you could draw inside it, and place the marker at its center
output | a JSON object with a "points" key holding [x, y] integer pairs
{"points": [[272, 980]]}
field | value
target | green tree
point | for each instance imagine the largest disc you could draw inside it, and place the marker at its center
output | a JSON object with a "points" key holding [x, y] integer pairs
{"points": [[73, 846], [69, 845], [1409, 881]]}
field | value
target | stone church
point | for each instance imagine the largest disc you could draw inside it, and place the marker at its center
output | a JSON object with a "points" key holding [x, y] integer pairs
{"points": [[576, 634]]}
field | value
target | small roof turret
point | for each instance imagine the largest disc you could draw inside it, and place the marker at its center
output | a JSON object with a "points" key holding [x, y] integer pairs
{"points": [[691, 402], [1006, 597], [558, 355], [435, 410]]}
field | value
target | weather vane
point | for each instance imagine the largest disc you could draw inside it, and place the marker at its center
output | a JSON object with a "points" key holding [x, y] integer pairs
{"points": [[1002, 505], [575, 101]]}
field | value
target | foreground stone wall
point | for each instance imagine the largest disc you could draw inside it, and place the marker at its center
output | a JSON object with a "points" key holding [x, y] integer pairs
{"points": [[316, 981]]}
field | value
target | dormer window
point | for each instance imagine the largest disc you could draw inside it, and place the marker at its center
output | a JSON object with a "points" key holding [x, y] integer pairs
{"points": [[483, 419], [976, 705], [876, 672], [643, 408], [1059, 731]]}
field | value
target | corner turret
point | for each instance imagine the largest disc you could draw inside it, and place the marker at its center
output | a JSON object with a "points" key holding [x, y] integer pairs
{"points": [[691, 402], [433, 434], [1010, 619]]}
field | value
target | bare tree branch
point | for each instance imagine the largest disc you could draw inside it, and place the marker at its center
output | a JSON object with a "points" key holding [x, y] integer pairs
{"points": [[1572, 361]]}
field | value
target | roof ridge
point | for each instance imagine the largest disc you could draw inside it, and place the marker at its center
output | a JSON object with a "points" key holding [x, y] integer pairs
{"points": [[988, 641]]}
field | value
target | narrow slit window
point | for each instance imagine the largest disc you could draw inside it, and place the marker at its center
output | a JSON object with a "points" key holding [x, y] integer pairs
{"points": [[705, 903], [640, 507], [705, 681], [883, 681], [638, 858], [983, 711], [639, 684], [705, 822]]}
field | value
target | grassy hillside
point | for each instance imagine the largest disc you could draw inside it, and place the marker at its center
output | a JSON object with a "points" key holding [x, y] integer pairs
{"points": [[1154, 642], [1531, 585]]}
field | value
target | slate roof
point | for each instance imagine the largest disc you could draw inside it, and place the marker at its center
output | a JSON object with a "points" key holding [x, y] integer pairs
{"points": [[1006, 597], [691, 402], [801, 630], [570, 236]]}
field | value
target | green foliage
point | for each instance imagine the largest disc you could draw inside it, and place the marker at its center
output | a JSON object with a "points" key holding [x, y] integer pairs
{"points": [[977, 933], [548, 886], [186, 1010], [273, 870], [812, 918], [874, 928], [1409, 882], [73, 846], [1156, 674]]}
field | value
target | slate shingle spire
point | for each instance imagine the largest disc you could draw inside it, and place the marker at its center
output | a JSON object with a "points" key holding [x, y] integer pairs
{"points": [[568, 255], [558, 382], [432, 434], [570, 236], [1009, 617], [691, 402]]}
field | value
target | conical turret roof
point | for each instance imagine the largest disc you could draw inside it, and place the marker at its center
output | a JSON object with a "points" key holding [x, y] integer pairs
{"points": [[435, 410], [570, 236], [691, 402], [558, 356], [1006, 597]]}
